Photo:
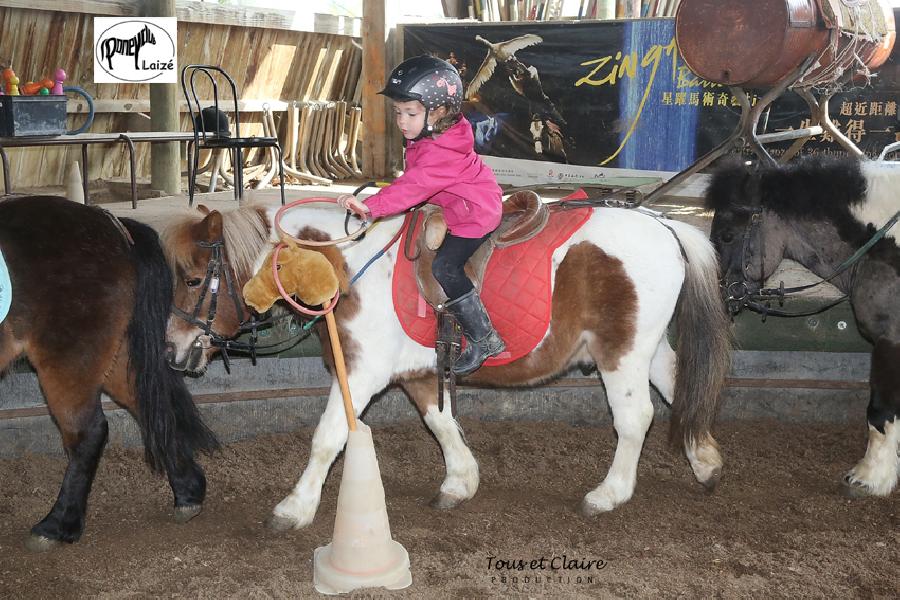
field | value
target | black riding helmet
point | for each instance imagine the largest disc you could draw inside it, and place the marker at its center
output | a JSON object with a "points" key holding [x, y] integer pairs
{"points": [[430, 80]]}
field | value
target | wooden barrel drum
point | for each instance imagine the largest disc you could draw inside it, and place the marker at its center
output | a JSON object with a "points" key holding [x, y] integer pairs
{"points": [[757, 43]]}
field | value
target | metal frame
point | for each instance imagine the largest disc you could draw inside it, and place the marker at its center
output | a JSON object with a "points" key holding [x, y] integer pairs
{"points": [[203, 140]]}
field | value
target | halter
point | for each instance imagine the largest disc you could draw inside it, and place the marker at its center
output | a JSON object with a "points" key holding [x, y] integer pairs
{"points": [[738, 296]]}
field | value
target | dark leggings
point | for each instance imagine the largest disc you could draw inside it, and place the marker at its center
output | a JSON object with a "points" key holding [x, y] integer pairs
{"points": [[450, 262]]}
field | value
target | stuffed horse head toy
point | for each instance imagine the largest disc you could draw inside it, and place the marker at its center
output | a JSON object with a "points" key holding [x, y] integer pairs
{"points": [[306, 274]]}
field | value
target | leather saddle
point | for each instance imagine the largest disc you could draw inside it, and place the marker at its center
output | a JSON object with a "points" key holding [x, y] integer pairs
{"points": [[524, 216]]}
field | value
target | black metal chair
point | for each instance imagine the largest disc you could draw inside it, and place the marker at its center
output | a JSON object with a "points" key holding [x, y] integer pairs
{"points": [[212, 132]]}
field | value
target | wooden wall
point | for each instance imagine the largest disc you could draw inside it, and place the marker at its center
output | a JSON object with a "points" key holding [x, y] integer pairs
{"points": [[266, 64]]}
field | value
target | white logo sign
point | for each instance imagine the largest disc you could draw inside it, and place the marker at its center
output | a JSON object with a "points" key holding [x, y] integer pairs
{"points": [[135, 50]]}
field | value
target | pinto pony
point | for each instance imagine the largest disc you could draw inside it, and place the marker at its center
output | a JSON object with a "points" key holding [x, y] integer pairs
{"points": [[820, 214], [90, 299], [617, 283]]}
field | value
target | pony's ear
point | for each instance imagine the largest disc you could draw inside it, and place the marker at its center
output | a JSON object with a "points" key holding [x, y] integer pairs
{"points": [[212, 226], [204, 210]]}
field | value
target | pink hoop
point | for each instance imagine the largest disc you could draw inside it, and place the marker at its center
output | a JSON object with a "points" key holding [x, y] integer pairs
{"points": [[297, 203], [286, 296]]}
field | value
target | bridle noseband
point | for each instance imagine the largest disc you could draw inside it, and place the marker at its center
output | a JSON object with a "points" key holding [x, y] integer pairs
{"points": [[217, 268]]}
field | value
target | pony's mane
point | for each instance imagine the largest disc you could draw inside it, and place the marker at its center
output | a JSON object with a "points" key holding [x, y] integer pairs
{"points": [[809, 188], [245, 230]]}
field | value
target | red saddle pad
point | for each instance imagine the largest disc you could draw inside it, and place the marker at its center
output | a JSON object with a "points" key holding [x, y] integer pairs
{"points": [[516, 289]]}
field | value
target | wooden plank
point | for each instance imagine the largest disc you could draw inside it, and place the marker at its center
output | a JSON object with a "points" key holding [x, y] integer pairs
{"points": [[217, 398], [240, 396], [328, 73], [314, 74], [302, 72], [82, 66], [206, 13], [101, 8], [142, 105], [243, 16], [56, 55], [806, 384], [14, 40]]}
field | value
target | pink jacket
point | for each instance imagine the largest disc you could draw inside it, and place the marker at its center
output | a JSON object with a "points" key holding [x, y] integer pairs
{"points": [[446, 171]]}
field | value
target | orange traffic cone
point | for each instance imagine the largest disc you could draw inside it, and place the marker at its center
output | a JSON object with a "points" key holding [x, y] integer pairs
{"points": [[362, 553]]}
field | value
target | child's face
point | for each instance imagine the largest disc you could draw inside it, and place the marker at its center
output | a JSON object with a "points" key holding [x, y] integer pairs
{"points": [[411, 117]]}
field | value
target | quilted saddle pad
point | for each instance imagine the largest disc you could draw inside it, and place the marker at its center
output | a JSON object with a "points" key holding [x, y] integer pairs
{"points": [[516, 289]]}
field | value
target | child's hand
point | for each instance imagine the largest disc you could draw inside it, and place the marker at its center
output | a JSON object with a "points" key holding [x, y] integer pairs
{"points": [[349, 202]]}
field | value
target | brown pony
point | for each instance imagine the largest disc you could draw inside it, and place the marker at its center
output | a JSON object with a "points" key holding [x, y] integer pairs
{"points": [[617, 283], [90, 299]]}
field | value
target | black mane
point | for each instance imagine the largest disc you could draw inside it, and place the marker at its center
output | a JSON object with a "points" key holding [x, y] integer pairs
{"points": [[807, 188]]}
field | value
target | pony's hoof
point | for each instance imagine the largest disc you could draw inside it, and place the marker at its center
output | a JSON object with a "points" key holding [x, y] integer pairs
{"points": [[39, 543], [855, 489], [446, 501], [590, 510], [712, 481], [280, 524], [183, 514]]}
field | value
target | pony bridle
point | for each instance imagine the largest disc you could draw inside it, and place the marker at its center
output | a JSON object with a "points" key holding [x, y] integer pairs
{"points": [[216, 269], [737, 293]]}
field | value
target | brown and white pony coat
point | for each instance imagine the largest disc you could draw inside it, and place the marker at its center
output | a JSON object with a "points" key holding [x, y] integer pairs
{"points": [[617, 283]]}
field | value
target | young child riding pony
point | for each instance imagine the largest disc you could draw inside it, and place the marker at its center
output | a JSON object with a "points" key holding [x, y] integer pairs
{"points": [[442, 168]]}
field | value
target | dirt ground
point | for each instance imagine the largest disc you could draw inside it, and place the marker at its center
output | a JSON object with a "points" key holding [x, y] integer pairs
{"points": [[776, 527]]}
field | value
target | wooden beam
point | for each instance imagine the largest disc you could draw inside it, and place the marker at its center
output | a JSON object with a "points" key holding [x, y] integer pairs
{"points": [[205, 12], [101, 8], [374, 107], [165, 158], [142, 105], [217, 14]]}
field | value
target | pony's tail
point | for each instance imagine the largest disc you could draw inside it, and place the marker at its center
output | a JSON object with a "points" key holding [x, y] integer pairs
{"points": [[170, 423], [703, 341]]}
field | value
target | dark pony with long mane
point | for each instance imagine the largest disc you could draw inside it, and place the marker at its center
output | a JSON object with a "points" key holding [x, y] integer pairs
{"points": [[91, 296], [823, 214], [617, 282]]}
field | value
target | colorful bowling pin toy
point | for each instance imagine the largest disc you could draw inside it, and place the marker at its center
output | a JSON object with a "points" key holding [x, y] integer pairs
{"points": [[12, 87], [60, 77], [8, 74]]}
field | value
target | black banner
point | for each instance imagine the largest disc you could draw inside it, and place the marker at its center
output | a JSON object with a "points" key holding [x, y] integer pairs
{"points": [[616, 94]]}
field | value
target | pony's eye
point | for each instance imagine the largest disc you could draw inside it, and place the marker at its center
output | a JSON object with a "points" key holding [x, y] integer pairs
{"points": [[193, 282], [727, 237], [278, 267]]}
